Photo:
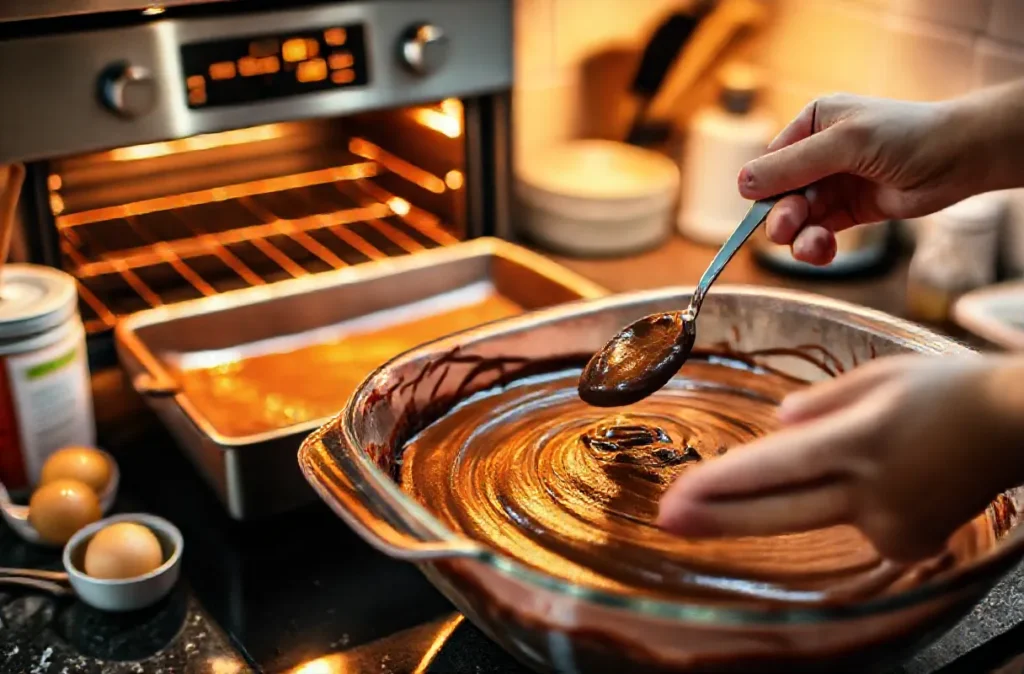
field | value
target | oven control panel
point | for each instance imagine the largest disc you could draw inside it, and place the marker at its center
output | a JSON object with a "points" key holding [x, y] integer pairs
{"points": [[245, 70]]}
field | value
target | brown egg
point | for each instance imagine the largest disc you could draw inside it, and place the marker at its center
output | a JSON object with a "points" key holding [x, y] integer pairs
{"points": [[84, 464], [60, 508], [123, 550]]}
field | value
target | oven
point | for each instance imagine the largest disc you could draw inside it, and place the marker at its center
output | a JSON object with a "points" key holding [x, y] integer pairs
{"points": [[183, 149]]}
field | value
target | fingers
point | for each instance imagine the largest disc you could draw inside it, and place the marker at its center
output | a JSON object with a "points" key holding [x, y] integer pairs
{"points": [[786, 458], [797, 165], [786, 218], [792, 462], [835, 394], [813, 508], [815, 245]]}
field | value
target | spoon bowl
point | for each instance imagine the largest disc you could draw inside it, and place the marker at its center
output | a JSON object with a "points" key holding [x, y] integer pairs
{"points": [[642, 358], [645, 355]]}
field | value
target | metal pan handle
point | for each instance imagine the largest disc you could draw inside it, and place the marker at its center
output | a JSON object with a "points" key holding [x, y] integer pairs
{"points": [[152, 386], [370, 520]]}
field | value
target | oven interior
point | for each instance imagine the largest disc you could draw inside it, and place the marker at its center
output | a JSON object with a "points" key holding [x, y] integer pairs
{"points": [[160, 223]]}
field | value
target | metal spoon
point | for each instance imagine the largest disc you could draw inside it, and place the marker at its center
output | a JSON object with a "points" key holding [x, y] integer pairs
{"points": [[645, 355]]}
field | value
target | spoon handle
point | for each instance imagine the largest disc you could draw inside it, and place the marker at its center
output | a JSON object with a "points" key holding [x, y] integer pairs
{"points": [[754, 217]]}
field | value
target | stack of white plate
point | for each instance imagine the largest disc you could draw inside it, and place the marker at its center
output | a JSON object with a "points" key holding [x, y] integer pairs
{"points": [[597, 198]]}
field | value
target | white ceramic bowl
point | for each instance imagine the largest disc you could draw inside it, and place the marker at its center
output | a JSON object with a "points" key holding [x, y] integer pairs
{"points": [[129, 594], [597, 198]]}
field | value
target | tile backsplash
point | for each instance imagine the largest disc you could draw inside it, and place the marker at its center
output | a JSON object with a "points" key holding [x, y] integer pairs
{"points": [[915, 49], [912, 49]]}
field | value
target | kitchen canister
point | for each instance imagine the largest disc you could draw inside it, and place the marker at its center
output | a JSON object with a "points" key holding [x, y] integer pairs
{"points": [[721, 139], [45, 392], [957, 252]]}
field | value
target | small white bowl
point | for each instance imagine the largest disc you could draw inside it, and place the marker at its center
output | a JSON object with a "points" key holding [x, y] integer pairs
{"points": [[129, 594], [597, 198], [16, 515]]}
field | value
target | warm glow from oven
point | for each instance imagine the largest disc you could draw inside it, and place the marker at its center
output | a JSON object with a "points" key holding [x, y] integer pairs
{"points": [[399, 206], [54, 182], [400, 167], [225, 70], [340, 59], [357, 659], [208, 141], [343, 76], [454, 180], [439, 121], [56, 204], [250, 66], [325, 665], [314, 70], [335, 36], [224, 665], [237, 191], [295, 50], [154, 10]]}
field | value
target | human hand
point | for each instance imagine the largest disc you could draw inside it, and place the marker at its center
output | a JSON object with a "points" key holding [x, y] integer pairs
{"points": [[907, 449], [861, 160]]}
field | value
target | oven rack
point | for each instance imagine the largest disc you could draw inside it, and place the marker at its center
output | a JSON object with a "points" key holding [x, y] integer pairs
{"points": [[146, 257]]}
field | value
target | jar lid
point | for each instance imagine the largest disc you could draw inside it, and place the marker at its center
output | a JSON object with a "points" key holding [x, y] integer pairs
{"points": [[34, 299], [740, 84]]}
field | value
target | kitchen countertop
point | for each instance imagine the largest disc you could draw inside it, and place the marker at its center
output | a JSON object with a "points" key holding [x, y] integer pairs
{"points": [[229, 566], [680, 262]]}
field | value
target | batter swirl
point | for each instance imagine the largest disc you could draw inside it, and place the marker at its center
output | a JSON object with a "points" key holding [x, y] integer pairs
{"points": [[571, 489]]}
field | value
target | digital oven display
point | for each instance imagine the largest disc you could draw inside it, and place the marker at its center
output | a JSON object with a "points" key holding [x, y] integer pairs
{"points": [[243, 70]]}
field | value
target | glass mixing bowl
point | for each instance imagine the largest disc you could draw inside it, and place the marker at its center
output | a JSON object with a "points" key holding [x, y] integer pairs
{"points": [[553, 625]]}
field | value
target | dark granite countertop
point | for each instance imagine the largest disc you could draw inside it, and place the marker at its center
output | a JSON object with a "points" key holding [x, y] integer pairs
{"points": [[276, 595]]}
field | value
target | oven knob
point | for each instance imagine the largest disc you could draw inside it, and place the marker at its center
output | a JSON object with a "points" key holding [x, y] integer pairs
{"points": [[127, 90], [424, 49]]}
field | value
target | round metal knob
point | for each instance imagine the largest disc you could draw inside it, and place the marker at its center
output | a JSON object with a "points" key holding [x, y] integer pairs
{"points": [[424, 49], [127, 90]]}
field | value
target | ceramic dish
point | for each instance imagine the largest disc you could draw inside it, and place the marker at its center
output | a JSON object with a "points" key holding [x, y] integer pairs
{"points": [[597, 198]]}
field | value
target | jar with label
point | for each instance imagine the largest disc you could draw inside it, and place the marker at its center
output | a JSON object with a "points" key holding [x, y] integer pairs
{"points": [[45, 393], [957, 250]]}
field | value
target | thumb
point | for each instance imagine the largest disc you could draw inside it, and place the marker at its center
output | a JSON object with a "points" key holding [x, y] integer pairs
{"points": [[798, 165]]}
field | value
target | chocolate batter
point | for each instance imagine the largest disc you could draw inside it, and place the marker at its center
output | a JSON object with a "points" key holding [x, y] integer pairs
{"points": [[536, 473], [638, 361]]}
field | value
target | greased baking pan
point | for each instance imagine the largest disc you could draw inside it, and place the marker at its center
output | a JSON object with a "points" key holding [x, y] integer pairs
{"points": [[255, 473]]}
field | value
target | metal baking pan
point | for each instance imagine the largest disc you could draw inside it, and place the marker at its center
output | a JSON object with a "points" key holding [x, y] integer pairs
{"points": [[257, 474]]}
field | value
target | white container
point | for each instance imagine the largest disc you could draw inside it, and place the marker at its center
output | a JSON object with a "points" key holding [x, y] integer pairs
{"points": [[957, 252], [597, 198], [721, 139], [45, 394], [128, 594]]}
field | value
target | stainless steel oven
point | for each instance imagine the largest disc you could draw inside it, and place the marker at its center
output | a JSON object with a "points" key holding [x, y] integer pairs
{"points": [[183, 148]]}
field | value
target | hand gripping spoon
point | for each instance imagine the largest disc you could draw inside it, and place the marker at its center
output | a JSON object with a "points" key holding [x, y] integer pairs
{"points": [[644, 356]]}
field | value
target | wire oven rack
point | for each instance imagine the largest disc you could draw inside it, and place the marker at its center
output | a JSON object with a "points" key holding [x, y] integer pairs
{"points": [[174, 248]]}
